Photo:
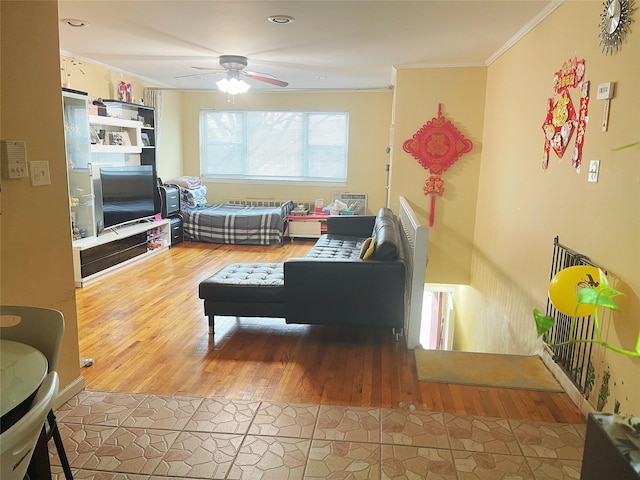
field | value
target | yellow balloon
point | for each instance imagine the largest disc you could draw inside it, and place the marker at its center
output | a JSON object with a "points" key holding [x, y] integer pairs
{"points": [[565, 285]]}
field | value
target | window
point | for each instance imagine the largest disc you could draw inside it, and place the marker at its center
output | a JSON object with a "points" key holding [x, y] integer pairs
{"points": [[270, 145]]}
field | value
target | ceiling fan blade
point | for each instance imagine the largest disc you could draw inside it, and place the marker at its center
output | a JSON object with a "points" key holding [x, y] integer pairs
{"points": [[239, 63], [266, 78], [209, 69], [196, 75], [205, 71]]}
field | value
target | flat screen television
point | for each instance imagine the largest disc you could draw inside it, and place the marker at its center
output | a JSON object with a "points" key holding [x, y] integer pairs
{"points": [[128, 194]]}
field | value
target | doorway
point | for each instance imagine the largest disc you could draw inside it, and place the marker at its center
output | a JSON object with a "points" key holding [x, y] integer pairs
{"points": [[436, 326]]}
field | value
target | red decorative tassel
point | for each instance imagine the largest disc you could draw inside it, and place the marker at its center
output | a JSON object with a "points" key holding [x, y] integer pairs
{"points": [[432, 213]]}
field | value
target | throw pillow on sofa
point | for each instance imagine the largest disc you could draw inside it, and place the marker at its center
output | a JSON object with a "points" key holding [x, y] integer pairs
{"points": [[368, 248]]}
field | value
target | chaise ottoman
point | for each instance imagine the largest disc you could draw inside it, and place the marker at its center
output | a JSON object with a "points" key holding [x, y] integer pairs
{"points": [[244, 290]]}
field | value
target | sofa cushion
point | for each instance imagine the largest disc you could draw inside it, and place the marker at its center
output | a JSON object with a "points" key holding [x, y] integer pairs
{"points": [[245, 282], [336, 247], [385, 231], [385, 212]]}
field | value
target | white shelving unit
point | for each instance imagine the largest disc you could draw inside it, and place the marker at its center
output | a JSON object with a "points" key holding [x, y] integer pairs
{"points": [[102, 253], [78, 155], [97, 257]]}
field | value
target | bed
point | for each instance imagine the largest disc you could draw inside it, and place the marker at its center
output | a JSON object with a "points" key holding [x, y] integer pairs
{"points": [[240, 222]]}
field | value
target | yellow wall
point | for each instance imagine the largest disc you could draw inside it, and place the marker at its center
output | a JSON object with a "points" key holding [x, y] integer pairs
{"points": [[98, 81], [369, 114], [461, 92], [169, 136], [521, 207], [35, 241]]}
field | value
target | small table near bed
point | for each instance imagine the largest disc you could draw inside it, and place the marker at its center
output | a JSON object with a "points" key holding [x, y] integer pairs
{"points": [[307, 226]]}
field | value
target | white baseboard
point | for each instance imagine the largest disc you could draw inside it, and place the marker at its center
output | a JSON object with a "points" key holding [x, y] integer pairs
{"points": [[565, 382], [69, 391]]}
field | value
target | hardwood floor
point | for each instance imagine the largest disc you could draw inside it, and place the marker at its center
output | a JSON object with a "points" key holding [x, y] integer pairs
{"points": [[146, 331]]}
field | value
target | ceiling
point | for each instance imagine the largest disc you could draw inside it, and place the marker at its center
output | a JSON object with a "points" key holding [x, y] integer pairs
{"points": [[331, 45]]}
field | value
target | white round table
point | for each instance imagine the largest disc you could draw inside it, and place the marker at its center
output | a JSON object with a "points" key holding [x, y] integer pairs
{"points": [[22, 369]]}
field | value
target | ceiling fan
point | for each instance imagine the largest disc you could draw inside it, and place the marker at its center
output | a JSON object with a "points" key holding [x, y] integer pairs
{"points": [[234, 67]]}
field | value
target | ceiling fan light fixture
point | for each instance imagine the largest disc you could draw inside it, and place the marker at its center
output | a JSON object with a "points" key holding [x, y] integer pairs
{"points": [[233, 86], [281, 19]]}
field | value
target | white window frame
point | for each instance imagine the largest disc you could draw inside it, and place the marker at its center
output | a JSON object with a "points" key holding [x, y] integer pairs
{"points": [[249, 177]]}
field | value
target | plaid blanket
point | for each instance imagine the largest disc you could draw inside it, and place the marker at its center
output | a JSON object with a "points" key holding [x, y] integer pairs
{"points": [[236, 224]]}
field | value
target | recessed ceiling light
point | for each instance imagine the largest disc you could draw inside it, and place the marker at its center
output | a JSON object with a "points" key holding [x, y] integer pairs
{"points": [[74, 22], [281, 19]]}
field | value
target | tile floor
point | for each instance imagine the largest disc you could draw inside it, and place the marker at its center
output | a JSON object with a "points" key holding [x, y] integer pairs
{"points": [[119, 436]]}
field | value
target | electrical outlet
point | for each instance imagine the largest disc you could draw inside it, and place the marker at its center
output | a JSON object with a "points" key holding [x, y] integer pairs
{"points": [[39, 173], [594, 170]]}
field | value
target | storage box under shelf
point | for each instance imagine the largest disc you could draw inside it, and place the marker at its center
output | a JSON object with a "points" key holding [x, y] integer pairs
{"points": [[177, 229], [309, 226]]}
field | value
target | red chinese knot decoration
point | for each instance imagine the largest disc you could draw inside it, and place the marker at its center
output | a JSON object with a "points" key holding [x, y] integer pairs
{"points": [[436, 146]]}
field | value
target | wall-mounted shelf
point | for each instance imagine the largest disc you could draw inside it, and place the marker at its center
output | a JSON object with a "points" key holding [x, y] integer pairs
{"points": [[107, 128], [115, 149], [113, 122]]}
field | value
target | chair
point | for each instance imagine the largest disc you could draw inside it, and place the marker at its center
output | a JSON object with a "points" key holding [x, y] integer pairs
{"points": [[17, 444], [42, 328]]}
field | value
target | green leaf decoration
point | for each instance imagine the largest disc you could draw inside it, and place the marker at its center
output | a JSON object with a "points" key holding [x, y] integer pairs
{"points": [[588, 296], [636, 144], [607, 302], [543, 322], [599, 297], [605, 287]]}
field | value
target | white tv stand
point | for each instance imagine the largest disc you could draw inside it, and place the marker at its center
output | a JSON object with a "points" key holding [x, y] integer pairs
{"points": [[97, 257]]}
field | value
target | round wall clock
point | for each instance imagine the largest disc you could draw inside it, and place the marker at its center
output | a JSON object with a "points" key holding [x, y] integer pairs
{"points": [[614, 24]]}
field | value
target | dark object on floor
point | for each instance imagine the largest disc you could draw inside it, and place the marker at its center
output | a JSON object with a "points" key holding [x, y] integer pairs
{"points": [[608, 448]]}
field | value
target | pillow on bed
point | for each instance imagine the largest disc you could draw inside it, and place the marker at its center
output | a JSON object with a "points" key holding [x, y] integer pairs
{"points": [[186, 182], [367, 248]]}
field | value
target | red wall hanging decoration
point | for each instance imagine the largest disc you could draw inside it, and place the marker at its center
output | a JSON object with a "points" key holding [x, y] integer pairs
{"points": [[562, 118], [437, 146]]}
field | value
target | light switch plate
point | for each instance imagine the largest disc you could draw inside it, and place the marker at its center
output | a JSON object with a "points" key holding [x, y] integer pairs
{"points": [[39, 173], [594, 170]]}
